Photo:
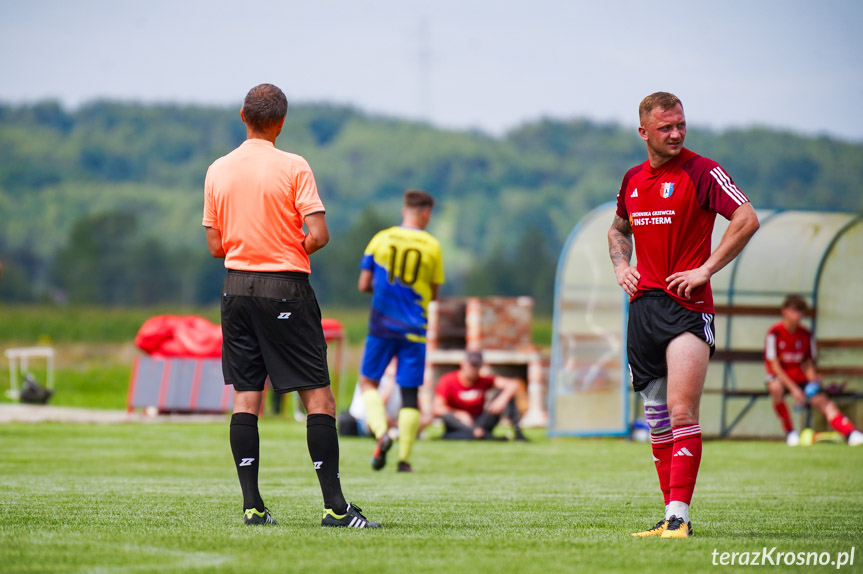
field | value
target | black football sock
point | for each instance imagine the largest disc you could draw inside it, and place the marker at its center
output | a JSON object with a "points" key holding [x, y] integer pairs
{"points": [[323, 441], [246, 446]]}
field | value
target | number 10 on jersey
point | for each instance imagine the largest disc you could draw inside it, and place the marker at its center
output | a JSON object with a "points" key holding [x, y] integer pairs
{"points": [[404, 265]]}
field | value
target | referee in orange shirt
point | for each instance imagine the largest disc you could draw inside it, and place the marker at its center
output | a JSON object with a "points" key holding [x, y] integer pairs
{"points": [[256, 200]]}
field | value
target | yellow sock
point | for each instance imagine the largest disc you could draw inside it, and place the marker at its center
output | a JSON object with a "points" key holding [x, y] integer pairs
{"points": [[376, 415], [409, 424]]}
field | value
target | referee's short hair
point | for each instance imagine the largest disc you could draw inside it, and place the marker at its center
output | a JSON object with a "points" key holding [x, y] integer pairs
{"points": [[265, 106], [418, 199]]}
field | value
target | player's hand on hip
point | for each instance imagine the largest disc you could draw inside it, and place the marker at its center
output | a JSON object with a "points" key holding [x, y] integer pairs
{"points": [[684, 282], [627, 277]]}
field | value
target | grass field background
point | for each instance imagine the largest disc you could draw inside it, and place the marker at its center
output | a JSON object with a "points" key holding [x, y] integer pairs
{"points": [[165, 498]]}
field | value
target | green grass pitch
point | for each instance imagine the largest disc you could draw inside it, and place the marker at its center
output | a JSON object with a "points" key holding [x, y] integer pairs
{"points": [[165, 498]]}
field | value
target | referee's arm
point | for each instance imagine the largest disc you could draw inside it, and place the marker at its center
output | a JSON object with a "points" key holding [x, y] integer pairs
{"points": [[318, 235], [214, 243]]}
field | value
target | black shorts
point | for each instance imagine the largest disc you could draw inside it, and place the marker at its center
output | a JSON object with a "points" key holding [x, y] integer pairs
{"points": [[271, 325], [654, 320]]}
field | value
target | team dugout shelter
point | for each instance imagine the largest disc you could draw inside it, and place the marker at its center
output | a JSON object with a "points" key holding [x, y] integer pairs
{"points": [[816, 254]]}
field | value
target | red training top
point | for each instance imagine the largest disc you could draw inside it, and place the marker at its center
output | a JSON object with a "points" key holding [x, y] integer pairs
{"points": [[457, 396], [672, 210], [792, 350]]}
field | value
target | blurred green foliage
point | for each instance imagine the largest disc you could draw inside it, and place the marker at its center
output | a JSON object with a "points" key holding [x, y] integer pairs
{"points": [[102, 205]]}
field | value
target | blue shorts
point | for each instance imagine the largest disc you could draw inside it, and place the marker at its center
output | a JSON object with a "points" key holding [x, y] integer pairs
{"points": [[411, 358]]}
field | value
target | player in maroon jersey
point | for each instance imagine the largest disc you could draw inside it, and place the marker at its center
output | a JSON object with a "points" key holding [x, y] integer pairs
{"points": [[668, 205], [789, 357]]}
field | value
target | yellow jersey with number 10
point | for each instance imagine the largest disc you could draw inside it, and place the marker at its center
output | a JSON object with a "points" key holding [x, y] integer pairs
{"points": [[405, 263]]}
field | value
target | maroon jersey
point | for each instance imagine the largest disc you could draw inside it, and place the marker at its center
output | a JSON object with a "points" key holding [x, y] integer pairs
{"points": [[459, 397], [792, 350], [671, 210]]}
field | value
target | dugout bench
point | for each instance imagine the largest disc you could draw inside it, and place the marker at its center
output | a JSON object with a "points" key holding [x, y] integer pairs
{"points": [[729, 357]]}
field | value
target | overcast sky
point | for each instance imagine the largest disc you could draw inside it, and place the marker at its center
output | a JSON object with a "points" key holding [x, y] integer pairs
{"points": [[491, 65]]}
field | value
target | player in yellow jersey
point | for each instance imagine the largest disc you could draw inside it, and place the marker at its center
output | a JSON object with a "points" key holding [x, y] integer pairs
{"points": [[402, 268]]}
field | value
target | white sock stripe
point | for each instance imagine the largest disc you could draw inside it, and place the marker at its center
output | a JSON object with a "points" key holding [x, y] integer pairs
{"points": [[678, 434], [669, 440], [662, 438], [727, 186]]}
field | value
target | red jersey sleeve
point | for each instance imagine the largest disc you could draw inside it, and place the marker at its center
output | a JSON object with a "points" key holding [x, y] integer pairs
{"points": [[715, 189], [622, 211], [771, 348]]}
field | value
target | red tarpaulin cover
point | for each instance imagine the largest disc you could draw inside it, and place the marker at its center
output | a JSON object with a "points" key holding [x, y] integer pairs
{"points": [[179, 336], [192, 336]]}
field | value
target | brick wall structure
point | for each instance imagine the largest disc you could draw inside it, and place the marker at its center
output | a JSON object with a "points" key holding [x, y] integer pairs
{"points": [[501, 328]]}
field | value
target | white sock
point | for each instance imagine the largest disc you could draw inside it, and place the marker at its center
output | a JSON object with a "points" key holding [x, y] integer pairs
{"points": [[678, 509]]}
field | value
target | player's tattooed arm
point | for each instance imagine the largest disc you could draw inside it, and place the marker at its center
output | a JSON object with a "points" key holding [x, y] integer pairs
{"points": [[620, 251], [620, 242]]}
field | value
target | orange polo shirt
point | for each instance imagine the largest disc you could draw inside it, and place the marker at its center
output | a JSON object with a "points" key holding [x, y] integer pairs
{"points": [[257, 196]]}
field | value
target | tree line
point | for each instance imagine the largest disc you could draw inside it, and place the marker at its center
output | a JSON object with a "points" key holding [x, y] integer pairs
{"points": [[102, 204]]}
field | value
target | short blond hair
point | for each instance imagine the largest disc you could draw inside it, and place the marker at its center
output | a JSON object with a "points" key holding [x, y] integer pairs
{"points": [[662, 100]]}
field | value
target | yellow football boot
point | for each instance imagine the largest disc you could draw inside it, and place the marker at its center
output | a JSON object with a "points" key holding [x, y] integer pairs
{"points": [[655, 531], [676, 528]]}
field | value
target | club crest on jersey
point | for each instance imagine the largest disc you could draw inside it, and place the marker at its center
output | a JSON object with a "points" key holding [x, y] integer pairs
{"points": [[667, 189]]}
